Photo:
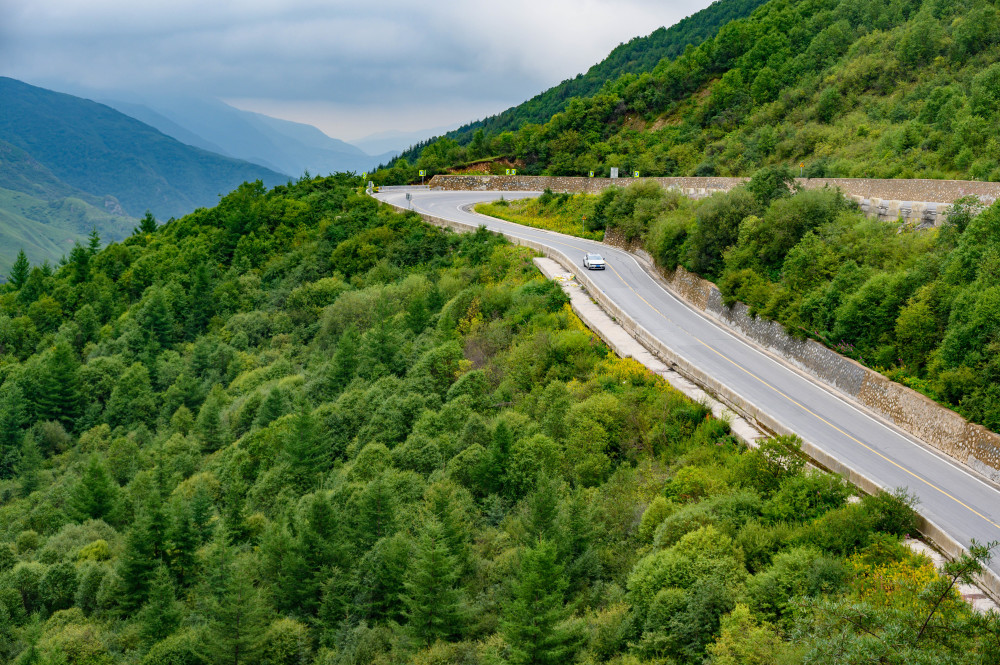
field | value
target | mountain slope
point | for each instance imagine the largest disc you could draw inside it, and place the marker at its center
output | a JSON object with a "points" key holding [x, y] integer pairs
{"points": [[282, 145], [851, 88], [94, 148], [640, 54]]}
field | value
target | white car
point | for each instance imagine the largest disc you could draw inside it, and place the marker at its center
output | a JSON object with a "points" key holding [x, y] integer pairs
{"points": [[594, 262]]}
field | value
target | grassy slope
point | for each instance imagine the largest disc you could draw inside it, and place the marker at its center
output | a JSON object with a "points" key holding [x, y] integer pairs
{"points": [[46, 230]]}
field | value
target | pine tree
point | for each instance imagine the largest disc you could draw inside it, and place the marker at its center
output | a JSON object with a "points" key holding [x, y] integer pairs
{"points": [[29, 464], [534, 622], [238, 612], [161, 614], [146, 225], [56, 393], [433, 601], [209, 423], [93, 241], [181, 543], [94, 495], [201, 300], [273, 407], [13, 416], [345, 360], [305, 452], [20, 270], [143, 548]]}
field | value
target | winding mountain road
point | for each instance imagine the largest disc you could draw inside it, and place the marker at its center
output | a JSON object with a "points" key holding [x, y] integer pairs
{"points": [[957, 501]]}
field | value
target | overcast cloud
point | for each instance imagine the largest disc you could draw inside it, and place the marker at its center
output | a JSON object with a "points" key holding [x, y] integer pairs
{"points": [[349, 68]]}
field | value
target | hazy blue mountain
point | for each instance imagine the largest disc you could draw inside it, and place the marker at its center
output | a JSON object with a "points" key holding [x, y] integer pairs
{"points": [[282, 145], [390, 143], [94, 148]]}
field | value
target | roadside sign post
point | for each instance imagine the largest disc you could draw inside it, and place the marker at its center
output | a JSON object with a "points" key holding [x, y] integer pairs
{"points": [[614, 171], [409, 200], [583, 225], [635, 174], [423, 172], [801, 166], [591, 175]]}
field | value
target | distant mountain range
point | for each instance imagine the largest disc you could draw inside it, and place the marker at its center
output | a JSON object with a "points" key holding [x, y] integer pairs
{"points": [[281, 145], [69, 165]]}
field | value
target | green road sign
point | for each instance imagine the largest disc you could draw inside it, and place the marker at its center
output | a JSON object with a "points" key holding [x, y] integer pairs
{"points": [[635, 174], [422, 173], [591, 174]]}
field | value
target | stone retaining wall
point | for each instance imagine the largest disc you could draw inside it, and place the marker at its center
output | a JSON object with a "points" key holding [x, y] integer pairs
{"points": [[923, 202], [909, 410]]}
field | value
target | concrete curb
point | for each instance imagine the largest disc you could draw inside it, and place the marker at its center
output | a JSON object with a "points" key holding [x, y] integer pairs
{"points": [[757, 417]]}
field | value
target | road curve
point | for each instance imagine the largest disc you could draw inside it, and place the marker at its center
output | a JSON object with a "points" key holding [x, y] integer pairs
{"points": [[959, 502]]}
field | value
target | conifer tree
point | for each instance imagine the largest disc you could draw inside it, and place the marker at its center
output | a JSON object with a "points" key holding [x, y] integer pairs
{"points": [[161, 614], [273, 407], [209, 423], [181, 543], [304, 451], [56, 393], [93, 241], [433, 600], [237, 609], [29, 464], [13, 416], [94, 495], [20, 270], [201, 306], [345, 360], [143, 548], [534, 621], [146, 225]]}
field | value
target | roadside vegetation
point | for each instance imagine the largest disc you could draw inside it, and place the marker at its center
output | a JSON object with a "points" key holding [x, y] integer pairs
{"points": [[563, 213], [917, 305], [850, 88], [301, 428]]}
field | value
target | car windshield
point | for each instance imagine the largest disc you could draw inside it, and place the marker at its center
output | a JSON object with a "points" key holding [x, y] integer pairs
{"points": [[595, 257]]}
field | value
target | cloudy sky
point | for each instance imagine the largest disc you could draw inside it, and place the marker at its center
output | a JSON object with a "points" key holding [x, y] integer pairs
{"points": [[350, 68]]}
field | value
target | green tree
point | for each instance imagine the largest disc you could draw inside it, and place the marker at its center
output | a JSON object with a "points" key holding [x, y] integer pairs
{"points": [[345, 360], [94, 494], [209, 424], [139, 561], [237, 609], [161, 615], [20, 270], [534, 622], [29, 464], [433, 600], [13, 417], [132, 401], [146, 225], [56, 393]]}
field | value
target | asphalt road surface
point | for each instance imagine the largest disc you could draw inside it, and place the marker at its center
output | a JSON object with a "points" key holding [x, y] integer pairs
{"points": [[958, 501]]}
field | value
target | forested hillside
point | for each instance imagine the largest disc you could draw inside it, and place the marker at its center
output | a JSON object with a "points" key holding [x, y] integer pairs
{"points": [[850, 88], [639, 55], [95, 149], [301, 428]]}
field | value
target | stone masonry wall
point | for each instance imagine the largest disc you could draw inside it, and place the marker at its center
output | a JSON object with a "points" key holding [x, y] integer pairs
{"points": [[923, 202], [971, 444]]}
